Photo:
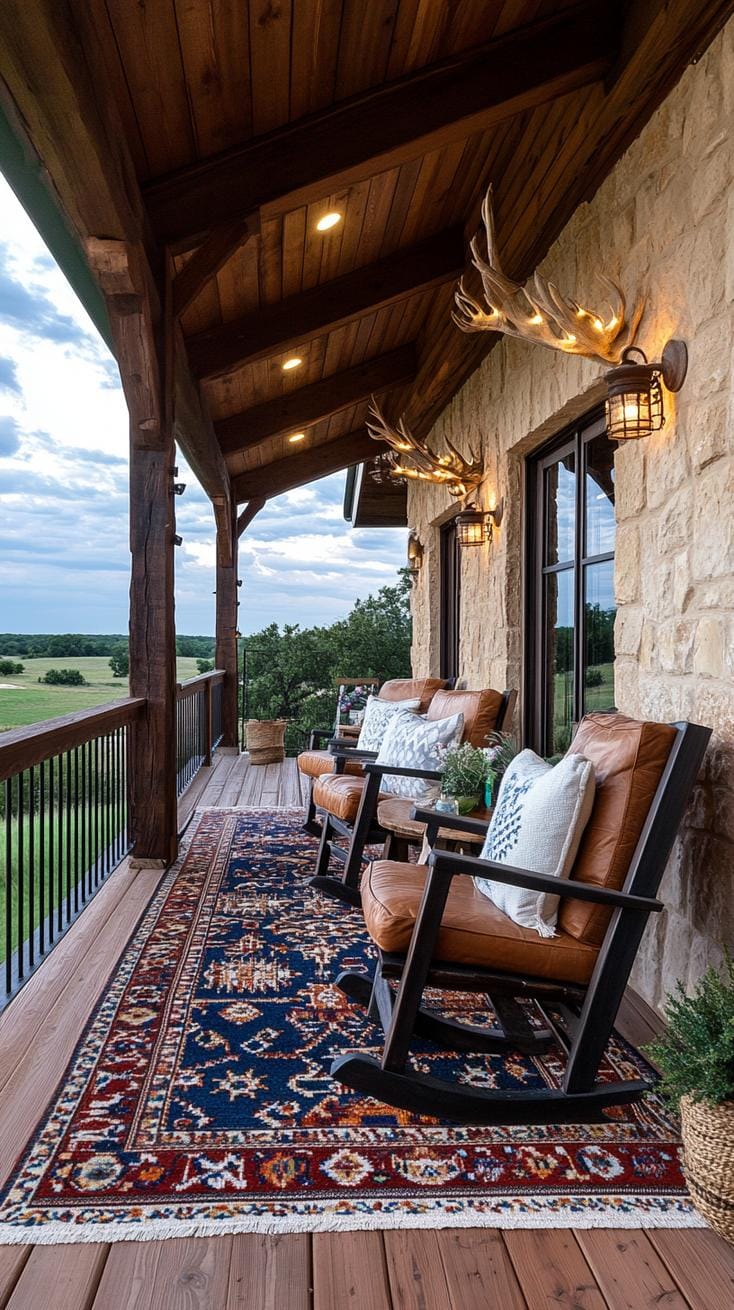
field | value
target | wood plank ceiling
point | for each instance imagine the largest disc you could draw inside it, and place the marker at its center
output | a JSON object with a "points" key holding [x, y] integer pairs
{"points": [[247, 122]]}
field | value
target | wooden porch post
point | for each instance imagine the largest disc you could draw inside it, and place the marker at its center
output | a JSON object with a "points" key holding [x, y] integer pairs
{"points": [[225, 513], [143, 347]]}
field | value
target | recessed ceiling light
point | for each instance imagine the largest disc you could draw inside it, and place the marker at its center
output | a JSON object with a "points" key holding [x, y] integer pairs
{"points": [[294, 362], [296, 436], [328, 221]]}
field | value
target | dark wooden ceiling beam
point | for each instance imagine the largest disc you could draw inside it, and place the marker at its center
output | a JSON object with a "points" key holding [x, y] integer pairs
{"points": [[382, 128], [252, 508], [308, 465], [316, 402], [222, 243], [294, 322]]}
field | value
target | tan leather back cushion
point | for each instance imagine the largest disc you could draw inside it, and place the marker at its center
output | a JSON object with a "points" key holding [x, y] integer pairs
{"points": [[628, 758], [410, 688], [480, 709]]}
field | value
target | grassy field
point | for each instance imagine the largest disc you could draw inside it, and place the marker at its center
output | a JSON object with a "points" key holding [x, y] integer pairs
{"points": [[30, 701]]}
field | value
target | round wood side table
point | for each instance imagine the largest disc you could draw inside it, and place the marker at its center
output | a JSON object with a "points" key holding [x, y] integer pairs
{"points": [[402, 832]]}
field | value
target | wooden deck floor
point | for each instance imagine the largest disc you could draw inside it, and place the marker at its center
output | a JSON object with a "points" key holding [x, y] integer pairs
{"points": [[406, 1270]]}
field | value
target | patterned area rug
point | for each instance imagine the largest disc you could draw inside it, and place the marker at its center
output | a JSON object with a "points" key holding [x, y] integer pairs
{"points": [[199, 1098]]}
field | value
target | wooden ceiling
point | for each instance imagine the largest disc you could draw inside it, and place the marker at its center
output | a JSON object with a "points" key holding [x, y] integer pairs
{"points": [[236, 126]]}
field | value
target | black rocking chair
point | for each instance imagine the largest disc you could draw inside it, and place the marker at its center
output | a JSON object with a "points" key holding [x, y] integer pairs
{"points": [[362, 828], [577, 1012]]}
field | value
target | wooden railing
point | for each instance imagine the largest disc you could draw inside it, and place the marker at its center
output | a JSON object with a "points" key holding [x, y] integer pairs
{"points": [[64, 808], [198, 724]]}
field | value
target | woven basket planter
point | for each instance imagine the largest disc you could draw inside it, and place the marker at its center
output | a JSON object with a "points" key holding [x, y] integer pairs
{"points": [[266, 740], [708, 1145]]}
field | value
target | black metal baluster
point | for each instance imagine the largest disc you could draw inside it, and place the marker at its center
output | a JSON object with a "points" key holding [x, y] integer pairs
{"points": [[96, 811], [60, 847], [42, 859], [68, 837], [32, 868], [8, 885], [51, 850], [76, 833], [20, 862]]}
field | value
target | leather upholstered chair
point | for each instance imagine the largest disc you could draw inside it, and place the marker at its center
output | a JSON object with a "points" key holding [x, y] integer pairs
{"points": [[315, 761], [347, 805], [432, 927]]}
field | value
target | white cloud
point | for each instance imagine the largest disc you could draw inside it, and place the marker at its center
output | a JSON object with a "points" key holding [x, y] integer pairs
{"points": [[64, 554]]}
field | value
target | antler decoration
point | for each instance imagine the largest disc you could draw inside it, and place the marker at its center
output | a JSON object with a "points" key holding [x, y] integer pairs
{"points": [[541, 313], [457, 474]]}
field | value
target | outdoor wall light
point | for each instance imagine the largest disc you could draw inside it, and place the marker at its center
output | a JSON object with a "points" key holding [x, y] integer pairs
{"points": [[294, 361], [296, 437], [634, 405], [415, 555], [475, 526]]}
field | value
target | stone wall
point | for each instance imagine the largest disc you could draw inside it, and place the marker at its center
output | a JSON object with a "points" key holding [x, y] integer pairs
{"points": [[663, 225]]}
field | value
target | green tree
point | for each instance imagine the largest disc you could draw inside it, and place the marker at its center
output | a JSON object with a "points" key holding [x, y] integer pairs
{"points": [[120, 662], [10, 666], [64, 678], [204, 666]]}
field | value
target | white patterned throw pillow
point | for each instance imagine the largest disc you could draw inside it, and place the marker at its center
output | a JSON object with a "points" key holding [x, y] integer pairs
{"points": [[412, 742], [540, 815], [378, 715]]}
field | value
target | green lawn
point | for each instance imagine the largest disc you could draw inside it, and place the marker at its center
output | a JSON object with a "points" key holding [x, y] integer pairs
{"points": [[33, 701]]}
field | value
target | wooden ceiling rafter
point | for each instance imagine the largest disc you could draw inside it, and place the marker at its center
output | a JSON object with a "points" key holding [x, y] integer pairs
{"points": [[311, 404], [287, 324], [369, 133], [285, 474]]}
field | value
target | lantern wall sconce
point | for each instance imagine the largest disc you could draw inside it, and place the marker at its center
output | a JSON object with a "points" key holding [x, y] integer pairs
{"points": [[415, 555], [475, 526], [634, 406]]}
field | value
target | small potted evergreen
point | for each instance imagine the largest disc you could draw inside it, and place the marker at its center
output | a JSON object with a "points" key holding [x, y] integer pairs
{"points": [[696, 1058]]}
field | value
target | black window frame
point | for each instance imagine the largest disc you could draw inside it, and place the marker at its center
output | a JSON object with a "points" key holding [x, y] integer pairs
{"points": [[450, 600], [572, 439]]}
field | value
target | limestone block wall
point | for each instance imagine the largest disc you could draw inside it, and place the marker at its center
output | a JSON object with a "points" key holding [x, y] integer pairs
{"points": [[662, 225]]}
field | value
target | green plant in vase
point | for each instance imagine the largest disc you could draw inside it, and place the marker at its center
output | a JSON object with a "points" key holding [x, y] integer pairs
{"points": [[695, 1055], [466, 770]]}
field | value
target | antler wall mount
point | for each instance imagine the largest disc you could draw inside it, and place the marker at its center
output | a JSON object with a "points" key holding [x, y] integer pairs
{"points": [[457, 474], [539, 311]]}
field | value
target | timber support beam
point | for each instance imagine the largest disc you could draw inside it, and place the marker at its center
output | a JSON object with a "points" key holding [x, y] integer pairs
{"points": [[225, 514]]}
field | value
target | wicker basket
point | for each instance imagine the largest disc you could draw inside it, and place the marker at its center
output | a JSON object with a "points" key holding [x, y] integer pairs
{"points": [[708, 1145], [266, 740]]}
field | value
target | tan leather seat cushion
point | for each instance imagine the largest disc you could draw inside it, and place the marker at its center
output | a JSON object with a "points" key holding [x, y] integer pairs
{"points": [[314, 763], [340, 794], [628, 758], [423, 689], [480, 709], [473, 930]]}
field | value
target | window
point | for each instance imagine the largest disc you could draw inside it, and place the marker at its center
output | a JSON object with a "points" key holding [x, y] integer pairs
{"points": [[450, 558], [570, 623]]}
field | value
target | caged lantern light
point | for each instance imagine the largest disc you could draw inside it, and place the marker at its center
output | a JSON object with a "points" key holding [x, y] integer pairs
{"points": [[634, 406], [475, 526]]}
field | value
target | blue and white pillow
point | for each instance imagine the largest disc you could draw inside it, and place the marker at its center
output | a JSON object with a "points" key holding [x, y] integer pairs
{"points": [[378, 715], [538, 822], [412, 742]]}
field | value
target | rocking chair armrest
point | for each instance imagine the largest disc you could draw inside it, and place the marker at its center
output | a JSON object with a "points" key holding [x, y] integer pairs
{"points": [[459, 822], [431, 774], [446, 863], [343, 752], [319, 737]]}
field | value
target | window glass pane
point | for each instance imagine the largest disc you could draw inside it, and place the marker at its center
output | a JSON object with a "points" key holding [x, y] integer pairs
{"points": [[559, 620], [560, 510], [600, 610], [600, 522]]}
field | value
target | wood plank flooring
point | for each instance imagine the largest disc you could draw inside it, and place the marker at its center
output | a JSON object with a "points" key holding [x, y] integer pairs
{"points": [[431, 1269]]}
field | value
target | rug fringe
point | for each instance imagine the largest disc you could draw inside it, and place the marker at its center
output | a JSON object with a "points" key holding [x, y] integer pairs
{"points": [[160, 1230]]}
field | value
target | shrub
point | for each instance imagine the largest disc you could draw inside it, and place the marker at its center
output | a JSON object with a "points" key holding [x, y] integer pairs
{"points": [[64, 678], [205, 666], [594, 677], [120, 663], [10, 666], [465, 770], [696, 1051]]}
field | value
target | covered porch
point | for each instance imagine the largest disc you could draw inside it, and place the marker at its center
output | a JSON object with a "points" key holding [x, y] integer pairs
{"points": [[413, 1269], [187, 200]]}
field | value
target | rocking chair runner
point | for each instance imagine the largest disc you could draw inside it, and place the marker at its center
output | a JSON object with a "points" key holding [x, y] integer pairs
{"points": [[317, 760], [348, 805], [434, 928]]}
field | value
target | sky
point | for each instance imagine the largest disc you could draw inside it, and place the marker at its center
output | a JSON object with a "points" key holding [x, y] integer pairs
{"points": [[64, 556]]}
